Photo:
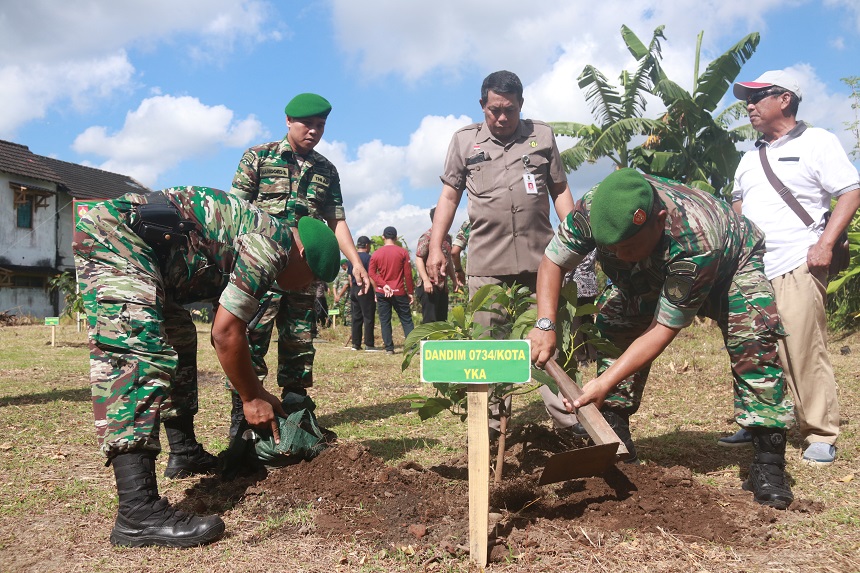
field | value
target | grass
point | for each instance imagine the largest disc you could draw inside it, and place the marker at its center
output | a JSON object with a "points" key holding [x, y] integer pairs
{"points": [[57, 500]]}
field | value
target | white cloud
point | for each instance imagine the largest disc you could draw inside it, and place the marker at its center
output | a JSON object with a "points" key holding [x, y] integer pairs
{"points": [[374, 179], [55, 52], [164, 131], [28, 92]]}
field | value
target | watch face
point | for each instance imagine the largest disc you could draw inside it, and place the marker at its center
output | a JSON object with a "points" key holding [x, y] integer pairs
{"points": [[544, 324]]}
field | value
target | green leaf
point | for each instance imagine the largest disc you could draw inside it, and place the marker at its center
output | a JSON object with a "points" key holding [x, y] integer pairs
{"points": [[586, 309], [432, 407], [543, 377]]}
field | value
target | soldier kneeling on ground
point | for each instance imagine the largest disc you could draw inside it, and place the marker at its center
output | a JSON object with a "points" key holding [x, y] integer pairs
{"points": [[139, 258]]}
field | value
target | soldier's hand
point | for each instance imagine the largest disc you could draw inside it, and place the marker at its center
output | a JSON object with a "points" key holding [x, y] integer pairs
{"points": [[592, 393], [543, 346], [260, 413], [361, 278]]}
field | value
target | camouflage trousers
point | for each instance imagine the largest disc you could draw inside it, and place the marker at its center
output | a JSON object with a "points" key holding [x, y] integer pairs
{"points": [[293, 313], [746, 314], [143, 346]]}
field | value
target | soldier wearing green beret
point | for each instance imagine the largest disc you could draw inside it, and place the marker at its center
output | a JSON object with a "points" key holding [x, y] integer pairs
{"points": [[674, 253], [289, 180], [139, 258]]}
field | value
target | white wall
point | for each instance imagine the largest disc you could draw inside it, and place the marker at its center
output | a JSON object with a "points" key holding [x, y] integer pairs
{"points": [[28, 247]]}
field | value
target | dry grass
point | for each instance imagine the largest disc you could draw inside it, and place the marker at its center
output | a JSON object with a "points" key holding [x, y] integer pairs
{"points": [[57, 500]]}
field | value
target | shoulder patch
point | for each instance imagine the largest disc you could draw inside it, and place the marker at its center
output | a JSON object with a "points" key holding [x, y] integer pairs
{"points": [[677, 288], [683, 268], [248, 158], [581, 222], [319, 180]]}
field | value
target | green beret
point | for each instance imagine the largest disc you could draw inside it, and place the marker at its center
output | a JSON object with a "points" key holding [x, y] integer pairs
{"points": [[620, 205], [321, 250], [308, 105], [343, 261]]}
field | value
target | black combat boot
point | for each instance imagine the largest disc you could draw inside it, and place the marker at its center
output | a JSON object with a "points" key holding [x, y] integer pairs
{"points": [[187, 457], [237, 414], [143, 518], [767, 478], [620, 423]]}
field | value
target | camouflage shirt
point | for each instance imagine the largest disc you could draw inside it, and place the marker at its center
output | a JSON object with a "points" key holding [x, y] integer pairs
{"points": [[287, 185], [703, 245], [462, 238], [422, 250], [234, 254]]}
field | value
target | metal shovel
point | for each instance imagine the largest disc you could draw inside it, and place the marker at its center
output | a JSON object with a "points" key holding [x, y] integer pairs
{"points": [[582, 462]]}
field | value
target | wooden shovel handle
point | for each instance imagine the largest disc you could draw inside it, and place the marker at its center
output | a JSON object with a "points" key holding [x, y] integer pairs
{"points": [[589, 416]]}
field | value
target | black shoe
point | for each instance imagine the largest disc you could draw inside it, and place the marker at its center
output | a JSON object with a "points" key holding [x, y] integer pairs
{"points": [[143, 518], [187, 464], [767, 478], [620, 423], [187, 457], [156, 522]]}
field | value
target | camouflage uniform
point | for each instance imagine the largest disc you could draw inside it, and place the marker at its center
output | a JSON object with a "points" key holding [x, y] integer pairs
{"points": [[142, 341], [287, 187], [343, 304], [709, 263]]}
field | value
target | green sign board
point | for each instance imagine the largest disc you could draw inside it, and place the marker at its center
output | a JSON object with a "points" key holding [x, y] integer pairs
{"points": [[476, 361], [333, 311], [52, 321]]}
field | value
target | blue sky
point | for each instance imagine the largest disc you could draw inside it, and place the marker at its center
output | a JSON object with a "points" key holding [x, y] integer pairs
{"points": [[172, 93]]}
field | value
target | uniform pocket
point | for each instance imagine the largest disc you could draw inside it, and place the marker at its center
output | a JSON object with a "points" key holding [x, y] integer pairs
{"points": [[128, 314]]}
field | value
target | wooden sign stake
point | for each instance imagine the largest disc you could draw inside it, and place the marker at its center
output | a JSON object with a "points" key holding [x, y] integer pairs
{"points": [[479, 473]]}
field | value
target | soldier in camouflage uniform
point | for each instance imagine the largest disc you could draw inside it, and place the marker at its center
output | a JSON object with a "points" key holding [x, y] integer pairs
{"points": [[289, 180], [340, 294], [458, 245], [674, 253], [139, 258]]}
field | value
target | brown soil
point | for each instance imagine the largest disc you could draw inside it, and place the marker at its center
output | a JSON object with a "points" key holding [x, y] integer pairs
{"points": [[354, 495]]}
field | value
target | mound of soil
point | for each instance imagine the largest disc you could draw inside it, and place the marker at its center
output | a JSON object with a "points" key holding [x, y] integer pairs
{"points": [[355, 495]]}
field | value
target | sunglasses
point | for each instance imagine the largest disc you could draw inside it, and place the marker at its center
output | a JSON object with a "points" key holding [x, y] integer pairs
{"points": [[756, 97]]}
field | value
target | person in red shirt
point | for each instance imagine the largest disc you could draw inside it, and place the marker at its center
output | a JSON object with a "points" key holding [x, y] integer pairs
{"points": [[391, 272]]}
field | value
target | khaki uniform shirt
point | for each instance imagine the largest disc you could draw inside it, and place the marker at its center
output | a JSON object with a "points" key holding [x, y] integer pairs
{"points": [[510, 227]]}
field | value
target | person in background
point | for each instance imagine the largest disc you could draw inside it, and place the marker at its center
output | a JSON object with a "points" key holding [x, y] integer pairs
{"points": [[433, 296], [812, 166], [391, 272], [363, 303], [289, 180], [511, 170]]}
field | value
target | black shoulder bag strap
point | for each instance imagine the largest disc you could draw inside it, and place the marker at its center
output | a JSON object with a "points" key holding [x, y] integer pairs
{"points": [[783, 191]]}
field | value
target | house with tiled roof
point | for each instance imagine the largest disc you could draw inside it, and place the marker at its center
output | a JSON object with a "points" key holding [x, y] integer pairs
{"points": [[37, 217]]}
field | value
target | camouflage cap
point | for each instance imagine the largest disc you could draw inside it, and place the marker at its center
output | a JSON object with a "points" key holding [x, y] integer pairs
{"points": [[620, 205], [321, 250], [308, 105]]}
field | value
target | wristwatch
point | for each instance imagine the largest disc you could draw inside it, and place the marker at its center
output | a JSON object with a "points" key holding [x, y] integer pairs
{"points": [[545, 324]]}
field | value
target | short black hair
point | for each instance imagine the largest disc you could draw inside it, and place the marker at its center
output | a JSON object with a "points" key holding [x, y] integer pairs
{"points": [[432, 212], [502, 82], [793, 104]]}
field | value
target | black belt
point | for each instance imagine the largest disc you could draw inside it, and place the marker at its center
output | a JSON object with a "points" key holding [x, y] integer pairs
{"points": [[159, 225]]}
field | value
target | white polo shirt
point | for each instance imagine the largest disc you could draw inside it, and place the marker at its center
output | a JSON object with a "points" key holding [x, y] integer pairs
{"points": [[811, 162]]}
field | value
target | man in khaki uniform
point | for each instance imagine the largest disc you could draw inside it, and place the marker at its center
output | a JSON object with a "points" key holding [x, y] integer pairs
{"points": [[511, 168]]}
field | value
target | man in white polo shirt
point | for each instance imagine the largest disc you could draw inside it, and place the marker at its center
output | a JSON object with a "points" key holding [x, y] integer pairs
{"points": [[812, 164]]}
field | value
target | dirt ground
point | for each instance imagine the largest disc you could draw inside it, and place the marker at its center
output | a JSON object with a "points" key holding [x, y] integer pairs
{"points": [[355, 496]]}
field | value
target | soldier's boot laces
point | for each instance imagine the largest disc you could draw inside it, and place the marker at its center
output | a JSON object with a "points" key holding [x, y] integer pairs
{"points": [[143, 518], [767, 478], [187, 457], [620, 423], [237, 415]]}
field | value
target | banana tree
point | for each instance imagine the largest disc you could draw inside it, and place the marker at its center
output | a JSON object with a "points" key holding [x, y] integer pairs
{"points": [[618, 111], [692, 145]]}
